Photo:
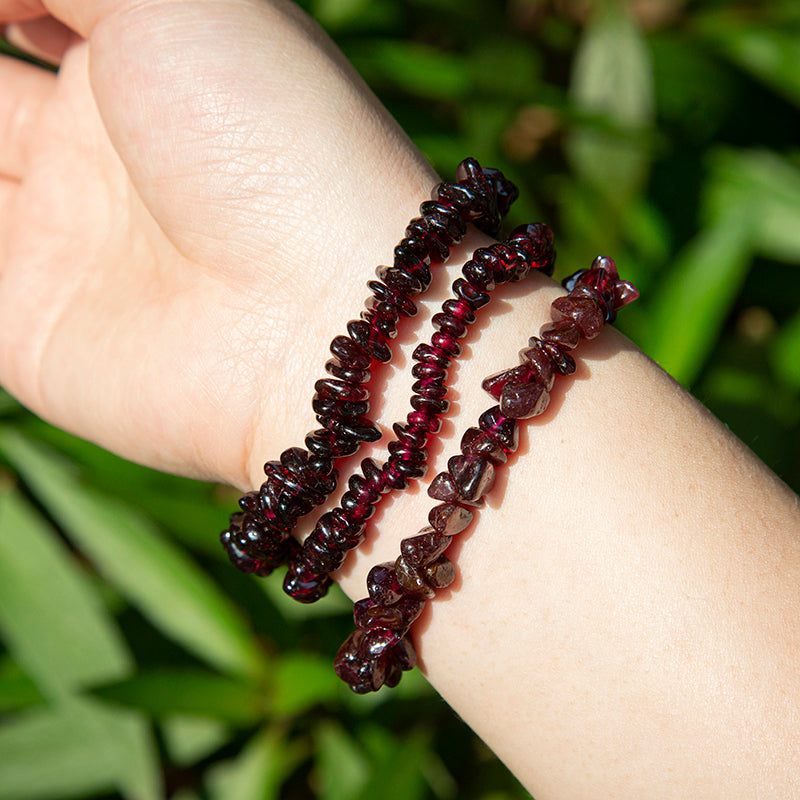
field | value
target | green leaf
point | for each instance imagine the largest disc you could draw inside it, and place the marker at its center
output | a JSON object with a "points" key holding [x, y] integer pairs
{"points": [[17, 690], [301, 681], [260, 769], [341, 766], [771, 53], [413, 67], [397, 765], [189, 692], [188, 739], [76, 749], [612, 85], [698, 292], [51, 616], [7, 403], [769, 187], [786, 352], [154, 575]]}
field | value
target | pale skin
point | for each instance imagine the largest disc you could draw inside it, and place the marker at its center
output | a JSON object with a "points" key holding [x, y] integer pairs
{"points": [[188, 213]]}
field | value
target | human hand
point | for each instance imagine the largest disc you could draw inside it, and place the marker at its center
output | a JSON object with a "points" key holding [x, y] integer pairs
{"points": [[181, 207]]}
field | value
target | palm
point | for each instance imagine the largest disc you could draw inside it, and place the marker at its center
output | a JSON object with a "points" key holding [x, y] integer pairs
{"points": [[168, 230]]}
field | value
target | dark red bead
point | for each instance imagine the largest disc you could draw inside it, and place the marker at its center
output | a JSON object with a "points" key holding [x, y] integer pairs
{"points": [[424, 421], [563, 362], [327, 443], [583, 311], [405, 306], [469, 294], [398, 617], [443, 488], [308, 589], [413, 579], [446, 343], [449, 519], [373, 474], [382, 584], [473, 476], [459, 310], [370, 340], [340, 390], [400, 280], [449, 325], [540, 364], [425, 547], [476, 442], [332, 407], [430, 405], [359, 429], [413, 436], [429, 387], [347, 373], [523, 400], [349, 353], [431, 355], [494, 383], [441, 573], [426, 371], [505, 429], [564, 333]]}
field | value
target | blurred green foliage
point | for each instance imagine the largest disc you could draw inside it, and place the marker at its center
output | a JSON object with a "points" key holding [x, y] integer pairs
{"points": [[135, 662]]}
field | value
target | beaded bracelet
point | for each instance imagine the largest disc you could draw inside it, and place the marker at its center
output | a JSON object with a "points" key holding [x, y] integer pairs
{"points": [[344, 528], [258, 538], [380, 649]]}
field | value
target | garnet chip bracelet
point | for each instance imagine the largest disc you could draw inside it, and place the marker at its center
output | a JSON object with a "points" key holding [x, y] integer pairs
{"points": [[259, 538], [380, 648], [344, 528]]}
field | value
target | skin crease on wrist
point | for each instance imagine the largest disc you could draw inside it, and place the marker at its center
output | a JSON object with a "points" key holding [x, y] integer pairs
{"points": [[625, 618]]}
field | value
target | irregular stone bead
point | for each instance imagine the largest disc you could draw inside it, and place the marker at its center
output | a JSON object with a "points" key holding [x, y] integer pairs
{"points": [[429, 387], [348, 352], [425, 371], [408, 465], [587, 316], [449, 325], [397, 617], [494, 383], [443, 488], [473, 476], [325, 443], [564, 333], [373, 474], [424, 421], [346, 372], [537, 240], [441, 573], [504, 428], [539, 362], [368, 656], [381, 292], [410, 435], [431, 355], [341, 390], [449, 519], [563, 362], [359, 429], [382, 584], [320, 556], [400, 280], [430, 405], [369, 340], [332, 407], [358, 509], [446, 343], [476, 442], [412, 579], [459, 310], [306, 590], [471, 295], [523, 400], [425, 547]]}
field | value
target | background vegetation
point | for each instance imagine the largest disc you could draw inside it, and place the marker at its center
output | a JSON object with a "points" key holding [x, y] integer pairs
{"points": [[135, 662]]}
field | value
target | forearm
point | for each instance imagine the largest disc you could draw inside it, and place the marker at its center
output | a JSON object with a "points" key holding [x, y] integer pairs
{"points": [[625, 612]]}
